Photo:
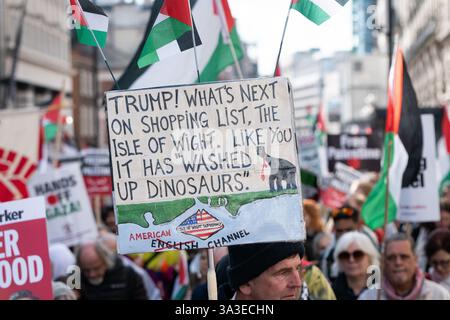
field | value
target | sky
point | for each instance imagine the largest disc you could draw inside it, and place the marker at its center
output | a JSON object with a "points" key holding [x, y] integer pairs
{"points": [[261, 22]]}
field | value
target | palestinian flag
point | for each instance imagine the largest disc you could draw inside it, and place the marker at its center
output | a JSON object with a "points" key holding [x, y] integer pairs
{"points": [[214, 55], [444, 152], [170, 35], [89, 17], [404, 141], [50, 118], [222, 56], [320, 131], [181, 284], [277, 71], [318, 11]]}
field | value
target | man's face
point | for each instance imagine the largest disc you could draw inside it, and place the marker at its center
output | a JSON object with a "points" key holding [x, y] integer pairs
{"points": [[342, 226], [445, 219], [282, 281], [446, 194], [400, 263], [93, 267]]}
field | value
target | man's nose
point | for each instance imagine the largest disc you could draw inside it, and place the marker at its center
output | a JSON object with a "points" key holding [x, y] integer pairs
{"points": [[296, 279]]}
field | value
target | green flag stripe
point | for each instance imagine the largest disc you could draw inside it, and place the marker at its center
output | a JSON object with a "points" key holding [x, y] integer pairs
{"points": [[85, 37], [222, 57], [50, 131], [374, 207], [311, 11], [162, 34], [308, 178]]}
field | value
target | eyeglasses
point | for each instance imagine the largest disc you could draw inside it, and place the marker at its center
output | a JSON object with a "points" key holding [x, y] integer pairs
{"points": [[342, 211], [357, 255], [443, 263]]}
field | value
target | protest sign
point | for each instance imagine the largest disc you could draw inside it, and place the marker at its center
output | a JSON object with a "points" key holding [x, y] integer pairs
{"points": [[419, 202], [337, 186], [19, 146], [96, 171], [309, 153], [25, 270], [69, 212], [205, 165], [360, 151]]}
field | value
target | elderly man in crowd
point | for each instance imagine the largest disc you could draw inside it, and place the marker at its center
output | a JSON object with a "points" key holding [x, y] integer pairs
{"points": [[105, 277], [266, 271], [403, 279]]}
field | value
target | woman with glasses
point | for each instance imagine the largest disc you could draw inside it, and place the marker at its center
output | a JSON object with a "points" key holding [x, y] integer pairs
{"points": [[354, 254], [438, 254]]}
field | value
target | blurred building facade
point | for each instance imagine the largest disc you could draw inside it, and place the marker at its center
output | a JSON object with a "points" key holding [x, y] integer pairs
{"points": [[348, 86], [44, 56], [85, 94], [424, 34]]}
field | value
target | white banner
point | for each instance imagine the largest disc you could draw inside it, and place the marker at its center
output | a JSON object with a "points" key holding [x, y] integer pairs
{"points": [[419, 202], [69, 213]]}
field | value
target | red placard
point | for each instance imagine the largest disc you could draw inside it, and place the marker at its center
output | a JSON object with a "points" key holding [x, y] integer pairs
{"points": [[333, 198], [101, 186], [25, 269]]}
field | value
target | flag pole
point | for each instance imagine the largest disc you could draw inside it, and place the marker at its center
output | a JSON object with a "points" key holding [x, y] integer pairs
{"points": [[59, 128], [386, 196], [389, 156], [228, 39], [282, 39], [386, 210], [98, 46], [193, 41], [211, 276]]}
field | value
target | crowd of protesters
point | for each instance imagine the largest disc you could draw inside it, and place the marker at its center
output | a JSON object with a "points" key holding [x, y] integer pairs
{"points": [[341, 259]]}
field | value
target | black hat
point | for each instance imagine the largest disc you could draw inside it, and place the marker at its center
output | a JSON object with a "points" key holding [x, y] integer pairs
{"points": [[250, 260]]}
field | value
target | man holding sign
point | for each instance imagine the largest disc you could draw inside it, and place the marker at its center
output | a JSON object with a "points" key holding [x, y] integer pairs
{"points": [[266, 271]]}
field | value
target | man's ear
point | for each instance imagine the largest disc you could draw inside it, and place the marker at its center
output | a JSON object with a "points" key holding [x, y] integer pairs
{"points": [[245, 289]]}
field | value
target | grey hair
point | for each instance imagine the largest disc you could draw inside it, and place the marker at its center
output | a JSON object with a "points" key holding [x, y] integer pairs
{"points": [[362, 241], [400, 236], [106, 254], [317, 238]]}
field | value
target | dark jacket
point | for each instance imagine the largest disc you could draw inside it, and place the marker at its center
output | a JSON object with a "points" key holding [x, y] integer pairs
{"points": [[342, 290], [120, 283]]}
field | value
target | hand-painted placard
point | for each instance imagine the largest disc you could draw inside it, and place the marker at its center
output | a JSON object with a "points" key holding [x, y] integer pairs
{"points": [[205, 165]]}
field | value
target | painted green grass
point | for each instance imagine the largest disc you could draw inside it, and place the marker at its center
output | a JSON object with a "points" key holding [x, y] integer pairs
{"points": [[162, 212], [236, 201]]}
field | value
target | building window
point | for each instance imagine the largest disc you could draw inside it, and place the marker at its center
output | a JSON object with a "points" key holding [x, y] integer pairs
{"points": [[357, 66]]}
